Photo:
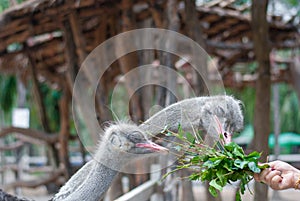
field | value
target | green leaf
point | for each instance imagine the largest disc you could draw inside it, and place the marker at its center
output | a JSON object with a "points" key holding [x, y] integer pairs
{"points": [[195, 160], [238, 196], [178, 148], [169, 134], [180, 132], [220, 174], [194, 176], [213, 191], [216, 185], [253, 155], [264, 166], [229, 146], [190, 138], [253, 167], [240, 163], [208, 164]]}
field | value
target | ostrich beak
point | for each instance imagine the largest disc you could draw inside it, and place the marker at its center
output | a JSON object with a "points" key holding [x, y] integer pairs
{"points": [[227, 136], [152, 146]]}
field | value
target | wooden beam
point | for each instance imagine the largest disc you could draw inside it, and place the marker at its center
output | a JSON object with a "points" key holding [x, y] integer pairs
{"points": [[12, 146], [53, 177], [77, 35], [36, 90], [141, 193], [50, 138]]}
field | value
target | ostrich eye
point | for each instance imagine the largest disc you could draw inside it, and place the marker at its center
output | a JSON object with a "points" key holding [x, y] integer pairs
{"points": [[136, 137], [115, 140], [225, 134]]}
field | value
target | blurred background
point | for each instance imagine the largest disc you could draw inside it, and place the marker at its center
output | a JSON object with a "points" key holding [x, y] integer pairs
{"points": [[254, 45]]}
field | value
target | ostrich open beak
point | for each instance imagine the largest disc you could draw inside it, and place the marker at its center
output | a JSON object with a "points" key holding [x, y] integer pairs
{"points": [[152, 146], [227, 136]]}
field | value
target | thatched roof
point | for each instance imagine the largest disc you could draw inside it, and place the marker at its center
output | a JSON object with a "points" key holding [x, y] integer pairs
{"points": [[37, 28]]}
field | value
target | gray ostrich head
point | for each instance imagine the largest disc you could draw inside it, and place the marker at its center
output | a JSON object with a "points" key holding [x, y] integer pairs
{"points": [[223, 115], [123, 143]]}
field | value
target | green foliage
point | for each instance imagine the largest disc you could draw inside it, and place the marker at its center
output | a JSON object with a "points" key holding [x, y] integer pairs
{"points": [[220, 165], [51, 100], [289, 106], [247, 97], [4, 4], [289, 109], [8, 88], [293, 3]]}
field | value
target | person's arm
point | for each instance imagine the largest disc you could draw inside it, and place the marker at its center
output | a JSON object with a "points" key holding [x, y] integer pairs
{"points": [[280, 176]]}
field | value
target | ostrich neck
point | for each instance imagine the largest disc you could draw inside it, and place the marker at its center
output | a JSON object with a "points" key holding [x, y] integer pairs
{"points": [[88, 184], [186, 113]]}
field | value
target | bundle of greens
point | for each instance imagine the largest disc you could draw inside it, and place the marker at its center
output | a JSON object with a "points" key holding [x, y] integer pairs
{"points": [[220, 164]]}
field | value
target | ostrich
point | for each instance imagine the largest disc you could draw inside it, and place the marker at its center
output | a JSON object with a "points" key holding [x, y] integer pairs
{"points": [[211, 114], [123, 143]]}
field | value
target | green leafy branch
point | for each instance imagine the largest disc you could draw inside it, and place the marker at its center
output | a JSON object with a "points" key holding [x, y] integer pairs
{"points": [[220, 164]]}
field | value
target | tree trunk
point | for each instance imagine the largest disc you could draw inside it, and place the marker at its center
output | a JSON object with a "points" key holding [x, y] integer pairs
{"points": [[173, 25], [260, 32], [157, 15], [194, 31]]}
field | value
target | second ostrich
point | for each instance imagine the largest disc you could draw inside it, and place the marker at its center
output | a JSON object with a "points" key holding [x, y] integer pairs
{"points": [[211, 114], [121, 144]]}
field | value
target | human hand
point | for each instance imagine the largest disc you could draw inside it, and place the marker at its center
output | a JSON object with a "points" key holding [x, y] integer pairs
{"points": [[279, 176]]}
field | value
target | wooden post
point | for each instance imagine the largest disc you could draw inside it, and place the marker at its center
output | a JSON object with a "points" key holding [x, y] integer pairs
{"points": [[64, 132], [73, 66], [75, 32], [102, 94], [260, 32], [52, 151]]}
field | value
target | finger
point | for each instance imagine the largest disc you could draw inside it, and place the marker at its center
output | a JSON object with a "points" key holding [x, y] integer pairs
{"points": [[271, 174], [263, 174], [276, 183]]}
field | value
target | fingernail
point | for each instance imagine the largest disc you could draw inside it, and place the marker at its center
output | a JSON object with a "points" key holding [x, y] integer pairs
{"points": [[272, 169]]}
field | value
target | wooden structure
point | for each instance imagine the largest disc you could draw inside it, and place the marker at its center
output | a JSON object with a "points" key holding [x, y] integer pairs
{"points": [[47, 40], [41, 29]]}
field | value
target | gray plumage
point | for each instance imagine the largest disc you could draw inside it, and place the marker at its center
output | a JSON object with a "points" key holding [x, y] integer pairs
{"points": [[197, 114], [121, 144]]}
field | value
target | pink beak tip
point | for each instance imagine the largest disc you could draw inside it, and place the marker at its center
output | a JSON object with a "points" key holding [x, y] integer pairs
{"points": [[153, 146]]}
